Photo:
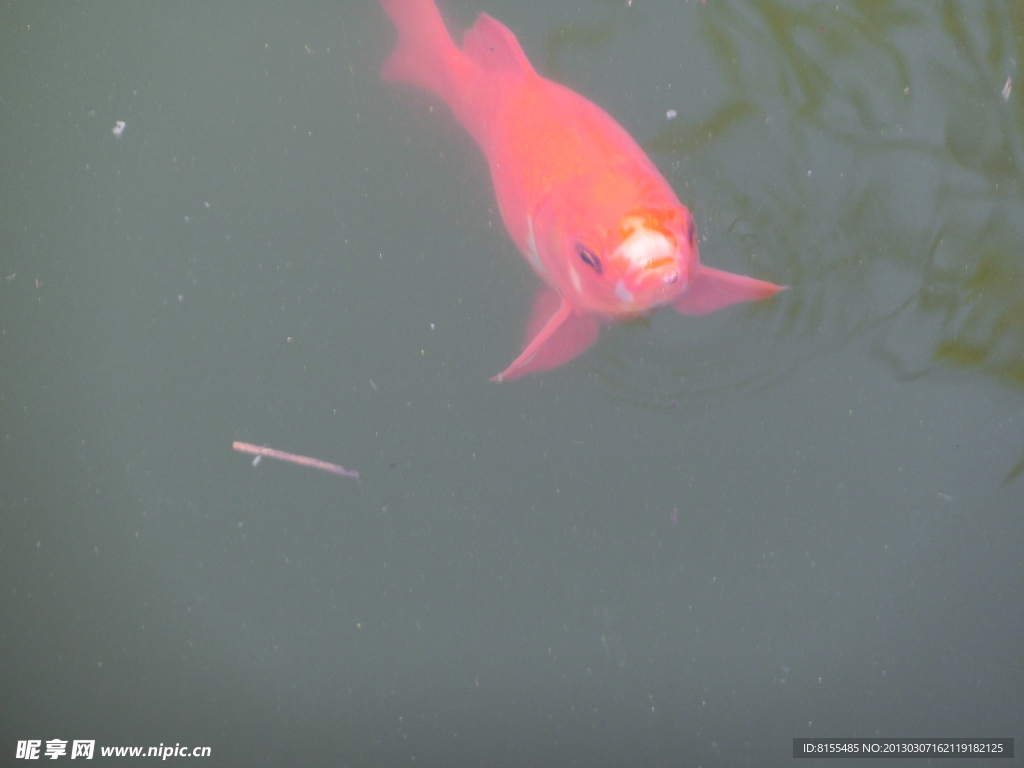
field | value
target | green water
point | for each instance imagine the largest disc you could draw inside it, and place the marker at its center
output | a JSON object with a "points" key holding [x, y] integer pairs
{"points": [[699, 540]]}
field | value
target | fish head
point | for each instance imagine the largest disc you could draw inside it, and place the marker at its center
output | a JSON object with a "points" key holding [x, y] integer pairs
{"points": [[643, 263]]}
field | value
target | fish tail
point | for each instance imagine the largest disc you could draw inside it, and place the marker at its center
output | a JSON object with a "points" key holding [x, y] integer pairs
{"points": [[425, 54]]}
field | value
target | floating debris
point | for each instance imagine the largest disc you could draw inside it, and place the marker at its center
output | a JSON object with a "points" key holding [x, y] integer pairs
{"points": [[294, 458]]}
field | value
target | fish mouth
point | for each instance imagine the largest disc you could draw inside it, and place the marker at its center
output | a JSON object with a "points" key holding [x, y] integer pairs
{"points": [[666, 270], [653, 269], [660, 272], [654, 284]]}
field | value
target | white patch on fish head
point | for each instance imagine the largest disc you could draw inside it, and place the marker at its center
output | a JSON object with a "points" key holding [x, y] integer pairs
{"points": [[650, 266], [644, 246]]}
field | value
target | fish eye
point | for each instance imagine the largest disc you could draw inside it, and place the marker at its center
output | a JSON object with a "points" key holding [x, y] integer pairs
{"points": [[589, 257]]}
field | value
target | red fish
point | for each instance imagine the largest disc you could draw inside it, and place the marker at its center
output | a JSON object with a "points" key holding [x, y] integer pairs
{"points": [[581, 200]]}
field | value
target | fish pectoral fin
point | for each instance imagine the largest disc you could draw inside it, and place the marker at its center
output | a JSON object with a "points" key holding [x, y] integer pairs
{"points": [[713, 289], [555, 335]]}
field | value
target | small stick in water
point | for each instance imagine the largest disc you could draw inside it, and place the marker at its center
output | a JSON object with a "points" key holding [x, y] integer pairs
{"points": [[305, 461]]}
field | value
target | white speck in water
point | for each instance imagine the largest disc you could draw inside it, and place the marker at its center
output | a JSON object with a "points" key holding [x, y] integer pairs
{"points": [[671, 114], [118, 129]]}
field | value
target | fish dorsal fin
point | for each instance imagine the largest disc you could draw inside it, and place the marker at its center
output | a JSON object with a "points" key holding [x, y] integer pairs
{"points": [[492, 46]]}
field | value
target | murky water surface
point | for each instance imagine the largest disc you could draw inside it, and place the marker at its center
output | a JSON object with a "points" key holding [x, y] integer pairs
{"points": [[703, 538]]}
